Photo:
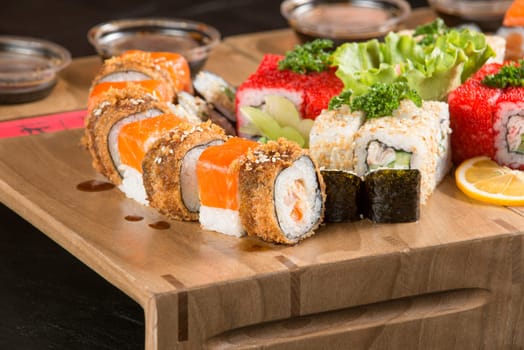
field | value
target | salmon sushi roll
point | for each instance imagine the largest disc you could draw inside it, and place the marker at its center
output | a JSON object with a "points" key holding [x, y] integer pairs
{"points": [[282, 193], [174, 63], [133, 142], [116, 108], [218, 177], [169, 169], [139, 65]]}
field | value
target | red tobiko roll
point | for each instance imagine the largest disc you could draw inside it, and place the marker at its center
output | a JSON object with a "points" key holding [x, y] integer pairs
{"points": [[508, 127], [471, 111], [310, 93]]}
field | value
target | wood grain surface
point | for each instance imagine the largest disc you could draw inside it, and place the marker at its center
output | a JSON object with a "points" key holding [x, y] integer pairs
{"points": [[452, 280]]}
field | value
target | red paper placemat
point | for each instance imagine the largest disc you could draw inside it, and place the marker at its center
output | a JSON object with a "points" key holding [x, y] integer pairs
{"points": [[43, 124]]}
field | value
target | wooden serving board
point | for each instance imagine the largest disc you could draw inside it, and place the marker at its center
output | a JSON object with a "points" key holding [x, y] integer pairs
{"points": [[453, 280]]}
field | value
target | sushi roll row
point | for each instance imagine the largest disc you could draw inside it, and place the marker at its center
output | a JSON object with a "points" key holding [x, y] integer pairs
{"points": [[411, 137], [154, 144], [135, 99], [488, 120]]}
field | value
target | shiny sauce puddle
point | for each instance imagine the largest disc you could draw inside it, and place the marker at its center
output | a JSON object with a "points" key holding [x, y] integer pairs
{"points": [[100, 186], [94, 186]]}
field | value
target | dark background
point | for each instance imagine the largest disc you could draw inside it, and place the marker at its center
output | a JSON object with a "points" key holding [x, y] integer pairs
{"points": [[49, 299], [66, 22]]}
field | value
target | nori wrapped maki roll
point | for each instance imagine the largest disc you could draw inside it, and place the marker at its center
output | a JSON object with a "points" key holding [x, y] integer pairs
{"points": [[343, 195], [393, 195]]}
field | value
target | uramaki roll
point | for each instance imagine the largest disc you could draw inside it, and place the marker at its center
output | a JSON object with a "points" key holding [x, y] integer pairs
{"points": [[411, 138], [169, 169], [281, 191], [134, 140], [218, 178], [115, 108]]}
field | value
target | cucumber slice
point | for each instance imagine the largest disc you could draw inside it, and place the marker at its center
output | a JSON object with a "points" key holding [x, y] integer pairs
{"points": [[262, 121], [520, 148], [304, 128], [402, 160], [292, 134], [282, 110], [277, 118]]}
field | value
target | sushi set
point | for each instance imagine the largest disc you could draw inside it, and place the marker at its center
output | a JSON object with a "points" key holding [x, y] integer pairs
{"points": [[443, 277], [251, 160]]}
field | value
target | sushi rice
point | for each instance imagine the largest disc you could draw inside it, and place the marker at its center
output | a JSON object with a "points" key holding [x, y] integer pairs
{"points": [[332, 135]]}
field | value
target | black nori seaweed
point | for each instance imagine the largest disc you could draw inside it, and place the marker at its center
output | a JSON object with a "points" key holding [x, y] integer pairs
{"points": [[343, 195], [392, 195]]}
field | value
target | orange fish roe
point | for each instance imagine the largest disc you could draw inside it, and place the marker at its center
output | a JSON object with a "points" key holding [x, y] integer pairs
{"points": [[154, 87], [217, 173], [175, 64], [135, 138]]}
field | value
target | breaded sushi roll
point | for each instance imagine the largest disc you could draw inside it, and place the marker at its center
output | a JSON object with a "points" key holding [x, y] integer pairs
{"points": [[114, 109], [218, 176], [412, 138], [169, 169], [281, 193], [169, 68], [331, 137]]}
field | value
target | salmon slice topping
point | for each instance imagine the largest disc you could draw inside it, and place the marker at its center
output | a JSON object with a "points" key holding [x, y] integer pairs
{"points": [[217, 174], [175, 64], [153, 87], [135, 138]]}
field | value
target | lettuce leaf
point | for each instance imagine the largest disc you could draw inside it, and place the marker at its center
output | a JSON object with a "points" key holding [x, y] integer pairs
{"points": [[433, 70]]}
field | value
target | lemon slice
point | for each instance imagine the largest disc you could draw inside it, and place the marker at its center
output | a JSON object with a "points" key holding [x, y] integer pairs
{"points": [[483, 179]]}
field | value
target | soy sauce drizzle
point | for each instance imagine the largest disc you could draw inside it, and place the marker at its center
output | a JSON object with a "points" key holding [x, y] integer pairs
{"points": [[160, 225], [134, 218], [94, 186]]}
